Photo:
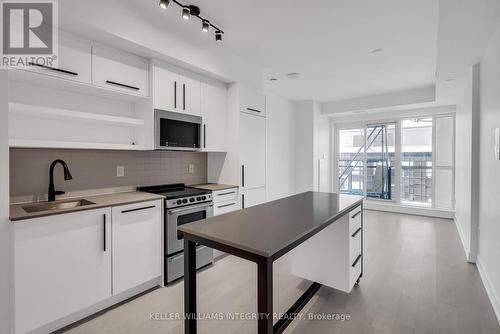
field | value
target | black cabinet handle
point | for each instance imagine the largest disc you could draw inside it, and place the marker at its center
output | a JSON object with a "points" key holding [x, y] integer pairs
{"points": [[109, 82], [183, 96], [356, 233], [54, 69], [175, 94], [228, 193], [242, 201], [242, 175], [225, 205], [356, 261], [204, 136], [139, 209], [357, 213], [104, 230], [254, 110]]}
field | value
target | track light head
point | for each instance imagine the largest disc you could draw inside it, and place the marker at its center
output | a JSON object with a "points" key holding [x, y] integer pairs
{"points": [[164, 3], [186, 13], [205, 25], [218, 36]]}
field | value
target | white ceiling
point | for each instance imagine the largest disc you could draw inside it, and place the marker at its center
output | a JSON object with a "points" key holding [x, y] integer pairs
{"points": [[328, 41]]}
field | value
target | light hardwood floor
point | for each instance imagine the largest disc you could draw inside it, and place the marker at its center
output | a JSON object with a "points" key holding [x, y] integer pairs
{"points": [[416, 280]]}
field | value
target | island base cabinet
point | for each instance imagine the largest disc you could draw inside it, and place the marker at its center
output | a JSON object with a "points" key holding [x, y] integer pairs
{"points": [[137, 244], [333, 257], [62, 265]]}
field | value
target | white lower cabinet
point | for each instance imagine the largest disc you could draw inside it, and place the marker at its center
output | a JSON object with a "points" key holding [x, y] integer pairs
{"points": [[332, 257], [137, 244], [252, 197], [66, 263], [62, 265], [225, 201]]}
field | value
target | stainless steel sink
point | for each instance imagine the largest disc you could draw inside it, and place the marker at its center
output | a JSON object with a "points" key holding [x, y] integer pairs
{"points": [[50, 206]]}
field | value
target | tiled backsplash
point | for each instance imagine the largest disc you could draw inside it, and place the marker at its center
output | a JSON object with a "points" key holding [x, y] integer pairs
{"points": [[96, 169]]}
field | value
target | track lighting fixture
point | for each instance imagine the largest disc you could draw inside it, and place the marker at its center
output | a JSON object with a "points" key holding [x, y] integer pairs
{"points": [[218, 36], [186, 13], [164, 3], [205, 25], [189, 11]]}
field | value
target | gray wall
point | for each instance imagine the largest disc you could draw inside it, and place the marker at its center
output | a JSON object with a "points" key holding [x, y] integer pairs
{"points": [[95, 169], [5, 228]]}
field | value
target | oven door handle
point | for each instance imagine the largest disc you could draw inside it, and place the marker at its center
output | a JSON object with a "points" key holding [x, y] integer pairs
{"points": [[189, 208]]}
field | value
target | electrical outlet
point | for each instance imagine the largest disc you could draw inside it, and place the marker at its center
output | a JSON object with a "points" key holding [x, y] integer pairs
{"points": [[120, 171], [191, 169]]}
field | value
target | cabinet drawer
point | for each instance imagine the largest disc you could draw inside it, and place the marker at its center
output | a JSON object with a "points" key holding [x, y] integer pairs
{"points": [[355, 218], [355, 243], [355, 270], [226, 207], [74, 62], [225, 195], [120, 71]]}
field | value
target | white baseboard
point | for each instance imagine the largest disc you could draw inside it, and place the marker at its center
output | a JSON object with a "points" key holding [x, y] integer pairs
{"points": [[406, 209], [462, 239], [490, 289]]}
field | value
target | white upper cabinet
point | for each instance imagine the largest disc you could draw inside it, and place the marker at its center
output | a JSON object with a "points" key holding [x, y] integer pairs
{"points": [[120, 71], [252, 101], [214, 112], [74, 62], [175, 91], [137, 244], [252, 151], [62, 265]]}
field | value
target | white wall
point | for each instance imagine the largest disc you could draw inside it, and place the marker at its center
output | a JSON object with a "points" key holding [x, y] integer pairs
{"points": [[489, 177], [5, 228], [304, 143], [280, 147], [466, 204], [321, 150]]}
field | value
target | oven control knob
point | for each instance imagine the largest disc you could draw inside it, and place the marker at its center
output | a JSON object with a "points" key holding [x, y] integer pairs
{"points": [[179, 201], [184, 201], [191, 199], [204, 197], [198, 198]]}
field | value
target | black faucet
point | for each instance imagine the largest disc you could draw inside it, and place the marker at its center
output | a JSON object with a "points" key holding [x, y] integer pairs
{"points": [[67, 176]]}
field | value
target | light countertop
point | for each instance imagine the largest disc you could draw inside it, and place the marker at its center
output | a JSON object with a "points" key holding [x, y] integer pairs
{"points": [[214, 186], [101, 201]]}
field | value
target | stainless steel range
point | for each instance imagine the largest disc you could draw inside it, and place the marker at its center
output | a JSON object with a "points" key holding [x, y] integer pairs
{"points": [[183, 205]]}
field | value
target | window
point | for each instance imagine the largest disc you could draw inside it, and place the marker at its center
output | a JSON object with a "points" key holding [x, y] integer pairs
{"points": [[407, 161]]}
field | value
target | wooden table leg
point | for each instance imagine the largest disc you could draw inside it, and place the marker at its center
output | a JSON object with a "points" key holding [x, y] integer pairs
{"points": [[265, 296], [190, 287]]}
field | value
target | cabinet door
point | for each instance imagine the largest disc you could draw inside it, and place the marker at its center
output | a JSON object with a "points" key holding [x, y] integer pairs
{"points": [[167, 88], [214, 112], [120, 71], [190, 91], [74, 62], [252, 151], [62, 264], [252, 101], [252, 197], [137, 244]]}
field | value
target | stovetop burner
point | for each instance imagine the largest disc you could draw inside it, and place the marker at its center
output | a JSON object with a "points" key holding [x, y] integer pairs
{"points": [[179, 191]]}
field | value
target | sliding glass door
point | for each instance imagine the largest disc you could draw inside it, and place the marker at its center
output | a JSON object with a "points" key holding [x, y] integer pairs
{"points": [[407, 161]]}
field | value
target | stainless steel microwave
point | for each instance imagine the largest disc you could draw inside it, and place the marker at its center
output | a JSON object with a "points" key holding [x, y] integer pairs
{"points": [[177, 132]]}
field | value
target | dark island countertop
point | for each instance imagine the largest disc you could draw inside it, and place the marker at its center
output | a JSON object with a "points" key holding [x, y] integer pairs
{"points": [[273, 228]]}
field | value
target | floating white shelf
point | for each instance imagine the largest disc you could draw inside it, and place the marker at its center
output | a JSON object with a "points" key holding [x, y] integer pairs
{"points": [[18, 108], [74, 86], [33, 143]]}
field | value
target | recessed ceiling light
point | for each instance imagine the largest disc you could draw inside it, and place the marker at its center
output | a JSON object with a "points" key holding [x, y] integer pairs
{"points": [[293, 75], [377, 50], [358, 111], [273, 79], [450, 80]]}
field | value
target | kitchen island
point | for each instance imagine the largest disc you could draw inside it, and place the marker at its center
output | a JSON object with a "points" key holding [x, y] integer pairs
{"points": [[264, 233]]}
